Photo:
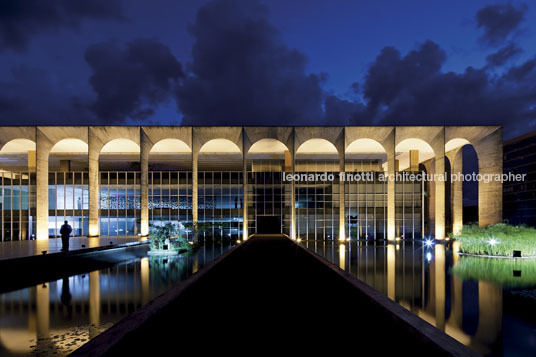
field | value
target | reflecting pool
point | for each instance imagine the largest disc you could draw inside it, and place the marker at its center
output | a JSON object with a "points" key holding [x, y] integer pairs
{"points": [[59, 316], [487, 304]]}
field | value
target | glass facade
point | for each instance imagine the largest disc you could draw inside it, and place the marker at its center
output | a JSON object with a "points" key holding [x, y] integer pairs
{"points": [[268, 195], [220, 202], [317, 202], [170, 197], [119, 203], [366, 209], [409, 209], [68, 200], [17, 204]]}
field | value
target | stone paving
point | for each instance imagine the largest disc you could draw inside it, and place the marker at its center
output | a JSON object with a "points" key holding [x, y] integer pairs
{"points": [[19, 249]]}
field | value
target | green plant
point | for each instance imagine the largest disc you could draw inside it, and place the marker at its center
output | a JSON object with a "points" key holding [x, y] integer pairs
{"points": [[508, 273], [169, 234], [498, 240]]}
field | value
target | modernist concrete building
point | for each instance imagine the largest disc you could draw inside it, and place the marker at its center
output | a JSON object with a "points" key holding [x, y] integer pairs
{"points": [[228, 181]]}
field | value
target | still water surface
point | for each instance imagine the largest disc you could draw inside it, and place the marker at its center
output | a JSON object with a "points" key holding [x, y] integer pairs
{"points": [[57, 317], [487, 304]]}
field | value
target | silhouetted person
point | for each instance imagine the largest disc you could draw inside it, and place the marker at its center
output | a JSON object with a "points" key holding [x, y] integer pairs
{"points": [[65, 232]]}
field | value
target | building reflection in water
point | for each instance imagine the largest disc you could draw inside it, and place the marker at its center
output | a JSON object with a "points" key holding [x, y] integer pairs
{"points": [[418, 277], [46, 318]]}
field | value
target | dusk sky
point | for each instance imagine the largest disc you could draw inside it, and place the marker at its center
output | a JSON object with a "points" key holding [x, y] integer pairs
{"points": [[284, 62]]}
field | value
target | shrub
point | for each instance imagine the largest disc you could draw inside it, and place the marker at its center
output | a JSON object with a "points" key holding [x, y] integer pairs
{"points": [[498, 240]]}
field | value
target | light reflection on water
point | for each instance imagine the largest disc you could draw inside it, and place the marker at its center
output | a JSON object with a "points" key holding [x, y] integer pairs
{"points": [[493, 315], [59, 316]]}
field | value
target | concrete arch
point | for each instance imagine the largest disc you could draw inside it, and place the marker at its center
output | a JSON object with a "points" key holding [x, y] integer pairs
{"points": [[170, 145], [70, 145], [317, 146], [18, 145], [434, 137], [68, 153], [149, 136], [99, 136], [269, 149], [47, 137], [385, 135], [120, 145], [367, 152], [219, 145], [202, 135], [487, 144], [267, 145], [365, 146], [10, 133], [254, 134], [402, 149], [334, 135]]}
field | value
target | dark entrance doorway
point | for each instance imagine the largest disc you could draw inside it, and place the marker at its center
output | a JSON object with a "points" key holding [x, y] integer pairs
{"points": [[268, 224]]}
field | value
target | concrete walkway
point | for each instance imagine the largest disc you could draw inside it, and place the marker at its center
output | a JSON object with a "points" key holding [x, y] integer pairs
{"points": [[269, 296], [26, 248]]}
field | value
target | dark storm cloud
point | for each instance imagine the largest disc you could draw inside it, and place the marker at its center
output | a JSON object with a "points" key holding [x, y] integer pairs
{"points": [[242, 72], [19, 20], [503, 55], [412, 90], [391, 77], [499, 21], [131, 82]]}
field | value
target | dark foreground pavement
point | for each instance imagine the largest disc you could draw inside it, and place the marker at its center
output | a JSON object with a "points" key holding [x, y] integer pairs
{"points": [[270, 296]]}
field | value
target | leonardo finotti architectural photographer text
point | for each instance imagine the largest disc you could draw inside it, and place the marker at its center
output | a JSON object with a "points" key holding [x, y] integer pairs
{"points": [[401, 176]]}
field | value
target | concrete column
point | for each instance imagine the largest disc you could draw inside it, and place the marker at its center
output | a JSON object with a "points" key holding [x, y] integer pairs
{"points": [[342, 256], [194, 190], [490, 308], [94, 148], [145, 149], [414, 160], [342, 214], [439, 286], [490, 161], [456, 190], [65, 165], [94, 303], [391, 272], [390, 150], [292, 187], [145, 274], [32, 160], [43, 312], [440, 198], [43, 148], [244, 187], [430, 170]]}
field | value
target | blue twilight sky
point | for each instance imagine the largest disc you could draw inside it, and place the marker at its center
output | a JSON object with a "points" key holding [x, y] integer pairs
{"points": [[275, 62]]}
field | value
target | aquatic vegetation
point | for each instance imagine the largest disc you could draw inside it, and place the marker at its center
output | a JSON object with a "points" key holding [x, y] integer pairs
{"points": [[168, 237], [508, 273], [498, 240]]}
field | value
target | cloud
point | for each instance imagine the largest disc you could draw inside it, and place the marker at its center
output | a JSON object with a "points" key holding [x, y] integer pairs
{"points": [[413, 90], [391, 77], [503, 55], [20, 20], [131, 81], [242, 72], [499, 21]]}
